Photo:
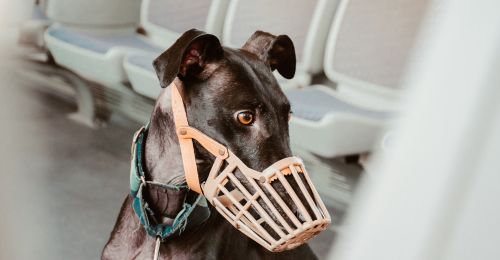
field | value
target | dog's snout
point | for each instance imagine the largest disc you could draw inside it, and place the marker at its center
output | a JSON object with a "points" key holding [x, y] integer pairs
{"points": [[296, 212], [302, 207], [300, 216]]}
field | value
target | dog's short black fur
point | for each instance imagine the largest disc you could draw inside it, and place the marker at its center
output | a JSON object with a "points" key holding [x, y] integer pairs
{"points": [[218, 83]]}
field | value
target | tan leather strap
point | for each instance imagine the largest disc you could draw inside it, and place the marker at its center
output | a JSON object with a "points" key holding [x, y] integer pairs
{"points": [[218, 150], [186, 144]]}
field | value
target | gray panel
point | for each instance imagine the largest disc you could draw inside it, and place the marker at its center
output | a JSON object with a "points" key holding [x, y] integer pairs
{"points": [[375, 39], [290, 17], [179, 16]]}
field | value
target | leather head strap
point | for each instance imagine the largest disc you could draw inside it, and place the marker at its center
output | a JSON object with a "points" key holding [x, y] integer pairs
{"points": [[186, 144], [186, 134]]}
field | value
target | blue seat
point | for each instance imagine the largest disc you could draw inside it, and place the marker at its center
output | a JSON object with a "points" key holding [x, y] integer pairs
{"points": [[367, 50], [328, 125], [99, 52]]}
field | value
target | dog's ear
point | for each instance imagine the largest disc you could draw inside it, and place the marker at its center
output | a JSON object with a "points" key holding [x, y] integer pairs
{"points": [[277, 51], [187, 57]]}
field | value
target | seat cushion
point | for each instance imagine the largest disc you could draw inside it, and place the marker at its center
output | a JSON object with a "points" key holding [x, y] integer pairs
{"points": [[100, 42], [143, 61], [96, 55], [326, 125], [140, 72], [315, 103]]}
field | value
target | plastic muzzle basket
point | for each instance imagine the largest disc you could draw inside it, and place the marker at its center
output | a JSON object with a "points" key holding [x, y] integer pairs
{"points": [[276, 227]]}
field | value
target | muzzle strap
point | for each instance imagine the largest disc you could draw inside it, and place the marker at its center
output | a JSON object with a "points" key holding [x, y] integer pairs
{"points": [[186, 144]]}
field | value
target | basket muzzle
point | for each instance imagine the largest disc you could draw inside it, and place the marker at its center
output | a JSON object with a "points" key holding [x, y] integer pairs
{"points": [[279, 208]]}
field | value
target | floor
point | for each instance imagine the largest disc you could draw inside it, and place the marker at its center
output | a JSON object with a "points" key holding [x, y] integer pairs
{"points": [[64, 183]]}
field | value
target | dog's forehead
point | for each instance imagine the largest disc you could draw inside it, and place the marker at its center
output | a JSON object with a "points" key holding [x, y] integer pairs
{"points": [[243, 76]]}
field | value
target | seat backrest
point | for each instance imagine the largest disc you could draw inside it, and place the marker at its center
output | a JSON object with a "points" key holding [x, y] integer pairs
{"points": [[94, 13], [370, 44], [305, 21], [165, 20]]}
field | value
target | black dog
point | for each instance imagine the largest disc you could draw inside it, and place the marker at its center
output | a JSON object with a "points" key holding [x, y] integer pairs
{"points": [[232, 96]]}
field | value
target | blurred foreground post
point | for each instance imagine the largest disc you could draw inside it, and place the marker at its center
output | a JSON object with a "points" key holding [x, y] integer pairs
{"points": [[435, 194]]}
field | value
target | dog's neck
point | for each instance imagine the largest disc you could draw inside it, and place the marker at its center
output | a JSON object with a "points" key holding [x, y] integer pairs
{"points": [[162, 160], [162, 152], [163, 156]]}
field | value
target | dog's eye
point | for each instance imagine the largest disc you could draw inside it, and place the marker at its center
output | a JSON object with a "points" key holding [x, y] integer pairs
{"points": [[245, 117], [290, 116]]}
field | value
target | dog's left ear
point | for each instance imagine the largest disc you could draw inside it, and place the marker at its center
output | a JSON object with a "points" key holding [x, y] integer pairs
{"points": [[277, 51], [187, 57]]}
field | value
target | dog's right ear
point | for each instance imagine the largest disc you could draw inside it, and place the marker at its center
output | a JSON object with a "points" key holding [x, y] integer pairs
{"points": [[187, 57], [277, 51]]}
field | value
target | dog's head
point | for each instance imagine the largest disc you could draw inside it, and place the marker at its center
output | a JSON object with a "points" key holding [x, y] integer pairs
{"points": [[232, 95]]}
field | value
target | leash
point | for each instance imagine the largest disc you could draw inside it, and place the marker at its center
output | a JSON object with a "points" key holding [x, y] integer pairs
{"points": [[157, 249]]}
